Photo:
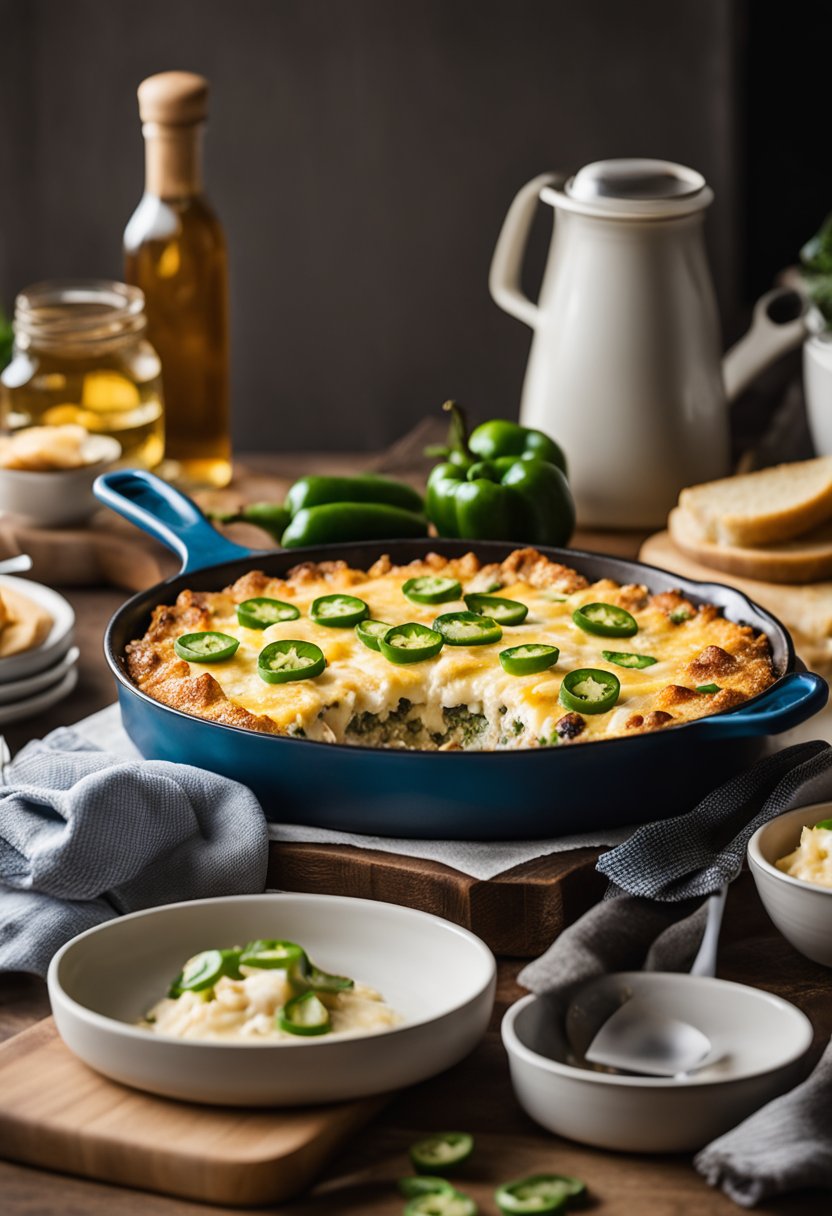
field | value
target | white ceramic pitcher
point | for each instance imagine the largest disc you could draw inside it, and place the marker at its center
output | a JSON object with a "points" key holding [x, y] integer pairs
{"points": [[625, 368]]}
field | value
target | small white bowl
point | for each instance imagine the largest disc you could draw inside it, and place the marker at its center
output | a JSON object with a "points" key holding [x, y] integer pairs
{"points": [[440, 977], [55, 644], [55, 498], [802, 911], [762, 1036]]}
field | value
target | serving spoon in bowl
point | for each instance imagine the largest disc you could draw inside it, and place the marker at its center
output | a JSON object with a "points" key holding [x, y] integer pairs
{"points": [[637, 1039]]}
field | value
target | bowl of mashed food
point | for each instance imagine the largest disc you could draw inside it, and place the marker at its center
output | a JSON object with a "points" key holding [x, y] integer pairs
{"points": [[47, 472], [274, 999], [791, 862]]}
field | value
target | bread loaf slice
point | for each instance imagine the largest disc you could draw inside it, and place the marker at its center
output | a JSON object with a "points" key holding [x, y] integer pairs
{"points": [[806, 559], [764, 507]]}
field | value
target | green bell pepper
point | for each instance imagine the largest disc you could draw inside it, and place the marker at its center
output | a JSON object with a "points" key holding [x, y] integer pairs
{"points": [[512, 495]]}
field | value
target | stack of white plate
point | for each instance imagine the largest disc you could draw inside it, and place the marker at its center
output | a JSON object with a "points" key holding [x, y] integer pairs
{"points": [[36, 679]]}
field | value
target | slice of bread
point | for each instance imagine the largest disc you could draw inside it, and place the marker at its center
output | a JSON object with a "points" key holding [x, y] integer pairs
{"points": [[764, 507], [806, 559]]}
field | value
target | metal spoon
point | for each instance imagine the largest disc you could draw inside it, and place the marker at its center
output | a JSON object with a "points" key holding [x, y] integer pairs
{"points": [[638, 1040]]}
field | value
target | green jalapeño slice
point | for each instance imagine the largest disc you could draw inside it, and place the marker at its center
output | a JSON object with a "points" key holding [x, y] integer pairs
{"points": [[290, 659], [304, 1015], [442, 1203], [207, 647], [605, 620], [467, 629], [370, 632], [589, 690], [623, 658], [528, 660], [441, 1153], [501, 610], [430, 589], [274, 956], [203, 971], [261, 612], [338, 611], [539, 1193], [410, 643]]}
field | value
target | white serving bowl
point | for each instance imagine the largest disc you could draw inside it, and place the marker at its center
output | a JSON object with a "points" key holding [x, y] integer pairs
{"points": [[440, 977], [802, 911], [54, 498], [763, 1039], [56, 643]]}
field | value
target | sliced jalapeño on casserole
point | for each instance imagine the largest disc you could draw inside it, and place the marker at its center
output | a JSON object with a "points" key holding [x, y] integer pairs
{"points": [[432, 589], [589, 690], [467, 629], [529, 659], [500, 609], [339, 611], [261, 612], [605, 620], [290, 659], [410, 643], [623, 658], [370, 632], [206, 647]]}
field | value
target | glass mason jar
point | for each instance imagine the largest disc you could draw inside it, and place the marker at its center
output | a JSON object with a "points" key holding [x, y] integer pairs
{"points": [[80, 355]]}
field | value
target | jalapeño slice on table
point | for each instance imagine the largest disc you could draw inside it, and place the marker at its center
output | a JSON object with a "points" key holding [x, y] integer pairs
{"points": [[424, 1184], [206, 647], [261, 612], [442, 1203], [338, 611], [274, 956], [431, 589], [304, 1015], [442, 1152], [467, 629], [538, 1193], [290, 659], [605, 620], [529, 659], [410, 643], [588, 690], [370, 632], [501, 610], [623, 658]]}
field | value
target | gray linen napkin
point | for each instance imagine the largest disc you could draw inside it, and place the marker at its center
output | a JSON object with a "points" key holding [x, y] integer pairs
{"points": [[85, 837], [783, 1146], [653, 917]]}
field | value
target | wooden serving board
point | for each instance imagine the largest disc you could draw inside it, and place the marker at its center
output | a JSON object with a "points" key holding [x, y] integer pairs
{"points": [[518, 913], [57, 1114]]}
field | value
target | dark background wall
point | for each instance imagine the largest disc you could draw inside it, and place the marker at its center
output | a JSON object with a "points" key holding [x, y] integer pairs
{"points": [[362, 154]]}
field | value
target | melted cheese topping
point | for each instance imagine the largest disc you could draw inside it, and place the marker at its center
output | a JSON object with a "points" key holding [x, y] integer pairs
{"points": [[516, 711], [812, 859]]}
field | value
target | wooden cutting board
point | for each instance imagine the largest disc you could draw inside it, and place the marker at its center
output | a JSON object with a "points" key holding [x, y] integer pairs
{"points": [[57, 1114], [518, 913]]}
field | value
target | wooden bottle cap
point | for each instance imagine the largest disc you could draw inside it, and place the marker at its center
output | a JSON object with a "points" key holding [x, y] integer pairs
{"points": [[173, 98]]}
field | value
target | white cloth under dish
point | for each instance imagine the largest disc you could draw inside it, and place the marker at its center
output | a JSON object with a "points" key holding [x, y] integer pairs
{"points": [[481, 860]]}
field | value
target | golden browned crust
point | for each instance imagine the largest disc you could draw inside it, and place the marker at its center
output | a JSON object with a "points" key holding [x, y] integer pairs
{"points": [[735, 655]]}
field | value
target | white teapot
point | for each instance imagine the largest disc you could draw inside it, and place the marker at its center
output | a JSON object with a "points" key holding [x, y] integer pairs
{"points": [[625, 370]]}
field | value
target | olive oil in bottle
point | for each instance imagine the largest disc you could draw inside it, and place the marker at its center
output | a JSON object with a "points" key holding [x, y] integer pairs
{"points": [[175, 252]]}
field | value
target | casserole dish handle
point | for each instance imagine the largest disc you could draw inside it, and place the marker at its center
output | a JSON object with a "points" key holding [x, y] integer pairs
{"points": [[157, 508], [795, 698]]}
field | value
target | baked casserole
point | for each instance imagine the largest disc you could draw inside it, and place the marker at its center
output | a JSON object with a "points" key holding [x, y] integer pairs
{"points": [[442, 654]]}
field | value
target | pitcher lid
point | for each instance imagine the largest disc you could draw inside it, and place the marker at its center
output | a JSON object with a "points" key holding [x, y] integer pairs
{"points": [[635, 187]]}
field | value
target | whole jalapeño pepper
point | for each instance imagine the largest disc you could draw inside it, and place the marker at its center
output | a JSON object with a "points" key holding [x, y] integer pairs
{"points": [[515, 490]]}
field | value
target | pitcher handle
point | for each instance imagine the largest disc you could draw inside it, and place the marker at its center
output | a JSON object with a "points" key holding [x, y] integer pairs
{"points": [[507, 262], [780, 322], [157, 508]]}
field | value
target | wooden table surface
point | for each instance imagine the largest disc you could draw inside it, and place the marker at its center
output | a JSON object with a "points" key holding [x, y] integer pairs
{"points": [[476, 1095]]}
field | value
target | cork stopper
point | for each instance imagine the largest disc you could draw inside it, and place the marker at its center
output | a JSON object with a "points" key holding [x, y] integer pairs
{"points": [[177, 99]]}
